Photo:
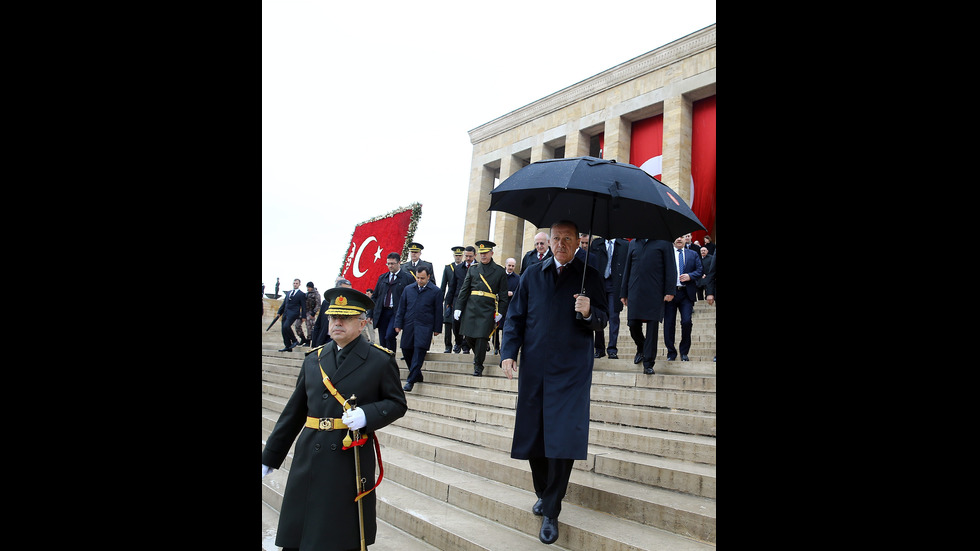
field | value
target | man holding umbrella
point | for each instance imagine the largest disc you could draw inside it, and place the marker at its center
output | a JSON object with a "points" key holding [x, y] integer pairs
{"points": [[551, 323], [481, 302]]}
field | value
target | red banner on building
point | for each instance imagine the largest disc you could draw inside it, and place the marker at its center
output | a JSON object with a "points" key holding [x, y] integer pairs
{"points": [[372, 241]]}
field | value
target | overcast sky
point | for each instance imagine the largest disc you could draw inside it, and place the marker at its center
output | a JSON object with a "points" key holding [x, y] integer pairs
{"points": [[366, 106]]}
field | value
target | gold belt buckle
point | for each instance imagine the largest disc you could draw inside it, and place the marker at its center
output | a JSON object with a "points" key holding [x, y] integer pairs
{"points": [[326, 423]]}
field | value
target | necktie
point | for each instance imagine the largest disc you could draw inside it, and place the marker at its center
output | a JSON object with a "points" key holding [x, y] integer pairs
{"points": [[680, 265], [292, 293], [560, 268], [391, 280], [540, 256], [609, 253]]}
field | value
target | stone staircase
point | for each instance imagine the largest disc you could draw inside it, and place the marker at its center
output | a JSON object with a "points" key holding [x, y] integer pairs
{"points": [[648, 481]]}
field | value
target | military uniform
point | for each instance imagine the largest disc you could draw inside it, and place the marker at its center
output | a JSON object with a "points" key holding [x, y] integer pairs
{"points": [[318, 508], [411, 267], [448, 273], [482, 295]]}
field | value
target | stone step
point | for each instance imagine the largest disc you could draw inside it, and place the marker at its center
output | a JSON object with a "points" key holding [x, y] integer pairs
{"points": [[497, 516]]}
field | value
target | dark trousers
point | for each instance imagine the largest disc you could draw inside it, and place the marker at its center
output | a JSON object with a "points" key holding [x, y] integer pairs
{"points": [[414, 358], [685, 305], [460, 340], [386, 328], [550, 479], [646, 344], [288, 337], [479, 348], [612, 302], [447, 330]]}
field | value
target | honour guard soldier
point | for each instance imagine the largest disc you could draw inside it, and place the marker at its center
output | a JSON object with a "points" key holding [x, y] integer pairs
{"points": [[447, 281], [413, 263], [319, 510], [481, 302]]}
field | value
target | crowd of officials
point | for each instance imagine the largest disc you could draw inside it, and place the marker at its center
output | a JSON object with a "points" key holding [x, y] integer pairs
{"points": [[550, 318]]}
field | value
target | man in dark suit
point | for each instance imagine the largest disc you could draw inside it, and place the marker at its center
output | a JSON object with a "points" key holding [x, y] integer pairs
{"points": [[688, 273], [318, 509], [387, 292], [414, 262], [611, 268], [293, 308], [459, 273], [418, 319], [448, 273], [540, 252], [648, 283], [551, 428]]}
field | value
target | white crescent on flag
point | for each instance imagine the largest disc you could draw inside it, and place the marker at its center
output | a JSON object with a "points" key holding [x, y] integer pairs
{"points": [[654, 167], [357, 259]]}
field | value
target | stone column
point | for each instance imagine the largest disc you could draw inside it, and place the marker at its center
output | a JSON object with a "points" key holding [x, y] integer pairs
{"points": [[678, 122], [508, 232], [617, 140], [538, 152], [476, 226]]}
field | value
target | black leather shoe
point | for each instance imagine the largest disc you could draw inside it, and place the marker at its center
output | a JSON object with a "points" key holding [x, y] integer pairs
{"points": [[613, 356], [455, 350], [671, 358], [684, 358], [537, 509], [599, 355], [466, 351], [549, 530], [638, 358], [478, 372], [408, 387], [447, 351], [648, 370], [287, 349]]}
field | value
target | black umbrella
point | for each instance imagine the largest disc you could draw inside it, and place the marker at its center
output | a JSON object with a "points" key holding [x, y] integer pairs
{"points": [[601, 196]]}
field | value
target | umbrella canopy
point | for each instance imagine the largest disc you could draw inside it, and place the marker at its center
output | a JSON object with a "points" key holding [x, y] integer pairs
{"points": [[602, 197]]}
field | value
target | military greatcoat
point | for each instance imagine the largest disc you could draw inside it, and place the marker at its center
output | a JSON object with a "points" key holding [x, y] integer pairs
{"points": [[476, 320], [318, 509]]}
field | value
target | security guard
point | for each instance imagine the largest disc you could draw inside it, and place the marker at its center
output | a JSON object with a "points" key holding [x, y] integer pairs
{"points": [[318, 508], [481, 302]]}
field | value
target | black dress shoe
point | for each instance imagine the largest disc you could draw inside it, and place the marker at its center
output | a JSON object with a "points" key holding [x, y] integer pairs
{"points": [[638, 358], [549, 530], [478, 372], [648, 370], [408, 387], [613, 356], [599, 355], [684, 358], [671, 358], [447, 351], [287, 349], [537, 509], [466, 351], [455, 350]]}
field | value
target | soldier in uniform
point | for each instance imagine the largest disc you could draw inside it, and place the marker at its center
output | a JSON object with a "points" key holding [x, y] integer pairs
{"points": [[413, 263], [459, 273], [312, 305], [318, 508], [481, 302], [447, 280]]}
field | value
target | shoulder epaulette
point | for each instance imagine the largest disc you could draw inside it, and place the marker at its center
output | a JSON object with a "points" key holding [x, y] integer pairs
{"points": [[376, 345], [312, 350]]}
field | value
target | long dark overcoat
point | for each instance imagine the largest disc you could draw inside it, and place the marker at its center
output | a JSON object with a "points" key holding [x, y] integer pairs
{"points": [[419, 315], [649, 274], [476, 320], [318, 509], [556, 357]]}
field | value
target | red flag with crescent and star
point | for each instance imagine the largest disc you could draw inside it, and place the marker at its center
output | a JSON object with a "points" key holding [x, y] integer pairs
{"points": [[370, 245]]}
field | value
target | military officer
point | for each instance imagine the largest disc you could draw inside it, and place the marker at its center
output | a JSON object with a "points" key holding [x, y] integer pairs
{"points": [[447, 280], [481, 302], [318, 508], [413, 263]]}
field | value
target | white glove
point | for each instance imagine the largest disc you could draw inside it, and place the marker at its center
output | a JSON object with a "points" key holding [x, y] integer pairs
{"points": [[266, 470], [354, 419], [456, 314], [497, 317]]}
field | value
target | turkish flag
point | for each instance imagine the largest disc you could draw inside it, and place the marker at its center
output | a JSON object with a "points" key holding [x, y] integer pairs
{"points": [[370, 245]]}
